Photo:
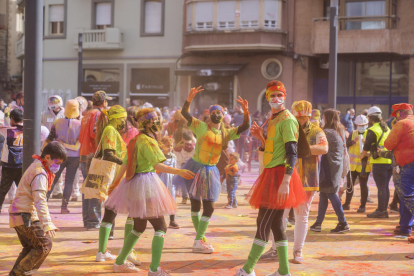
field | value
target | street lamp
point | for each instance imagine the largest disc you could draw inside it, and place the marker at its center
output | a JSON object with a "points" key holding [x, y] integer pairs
{"points": [[333, 52]]}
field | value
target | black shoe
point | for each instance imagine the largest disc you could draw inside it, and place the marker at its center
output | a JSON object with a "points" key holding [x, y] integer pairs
{"points": [[316, 227], [399, 233], [394, 209], [361, 209], [64, 210], [346, 207], [341, 227], [378, 214], [174, 225]]}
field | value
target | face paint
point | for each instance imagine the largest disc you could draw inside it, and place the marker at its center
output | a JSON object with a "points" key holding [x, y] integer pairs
{"points": [[277, 102], [121, 125], [54, 168]]}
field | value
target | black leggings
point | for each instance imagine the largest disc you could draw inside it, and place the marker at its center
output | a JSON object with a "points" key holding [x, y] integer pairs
{"points": [[270, 219], [139, 224], [363, 182], [208, 207]]}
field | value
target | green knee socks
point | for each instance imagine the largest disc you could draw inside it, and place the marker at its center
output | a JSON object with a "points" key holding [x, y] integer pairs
{"points": [[129, 225], [104, 232], [257, 250], [202, 227], [157, 246], [195, 217], [282, 252], [129, 243]]}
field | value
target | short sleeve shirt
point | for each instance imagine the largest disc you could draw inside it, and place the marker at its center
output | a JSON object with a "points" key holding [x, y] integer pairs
{"points": [[280, 130], [148, 154], [209, 142], [112, 140]]}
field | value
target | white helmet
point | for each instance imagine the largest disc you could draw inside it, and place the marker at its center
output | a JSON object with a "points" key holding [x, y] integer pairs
{"points": [[374, 110], [54, 102], [361, 120], [83, 103]]}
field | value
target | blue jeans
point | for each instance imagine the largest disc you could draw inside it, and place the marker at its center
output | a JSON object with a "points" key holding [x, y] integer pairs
{"points": [[91, 208], [232, 184], [406, 218], [382, 175], [72, 176], [323, 206]]}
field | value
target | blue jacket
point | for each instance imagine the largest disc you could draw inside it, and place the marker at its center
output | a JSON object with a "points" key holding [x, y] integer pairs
{"points": [[348, 123]]}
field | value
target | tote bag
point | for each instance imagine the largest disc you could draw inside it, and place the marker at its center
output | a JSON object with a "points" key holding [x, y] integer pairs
{"points": [[100, 176]]}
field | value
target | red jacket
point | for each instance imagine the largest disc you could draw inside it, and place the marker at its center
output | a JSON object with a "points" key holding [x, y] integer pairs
{"points": [[401, 141], [88, 133]]}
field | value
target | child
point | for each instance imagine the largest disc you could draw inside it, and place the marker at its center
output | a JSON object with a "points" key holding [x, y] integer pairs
{"points": [[166, 146], [29, 214], [232, 178]]}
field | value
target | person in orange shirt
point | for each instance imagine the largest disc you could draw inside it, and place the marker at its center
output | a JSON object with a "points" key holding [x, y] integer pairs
{"points": [[231, 173]]}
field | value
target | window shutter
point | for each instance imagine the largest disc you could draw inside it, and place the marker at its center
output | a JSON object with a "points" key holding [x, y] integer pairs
{"points": [[271, 13], [204, 15], [103, 13], [226, 14], [189, 16], [153, 17], [249, 12], [56, 13]]}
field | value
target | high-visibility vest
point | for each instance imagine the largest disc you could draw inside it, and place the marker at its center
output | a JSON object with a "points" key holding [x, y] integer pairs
{"points": [[355, 153], [376, 128]]}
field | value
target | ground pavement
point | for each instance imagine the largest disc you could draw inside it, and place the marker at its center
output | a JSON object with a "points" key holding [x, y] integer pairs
{"points": [[369, 248]]}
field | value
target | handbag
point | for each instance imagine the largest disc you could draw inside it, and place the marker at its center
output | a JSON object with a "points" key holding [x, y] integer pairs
{"points": [[100, 176], [346, 161]]}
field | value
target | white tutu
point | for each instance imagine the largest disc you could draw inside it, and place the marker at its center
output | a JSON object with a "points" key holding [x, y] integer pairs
{"points": [[145, 196]]}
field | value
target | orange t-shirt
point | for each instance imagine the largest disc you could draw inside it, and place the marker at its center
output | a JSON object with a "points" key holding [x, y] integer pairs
{"points": [[88, 133]]}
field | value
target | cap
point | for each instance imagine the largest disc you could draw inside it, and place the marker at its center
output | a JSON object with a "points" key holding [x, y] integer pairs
{"points": [[302, 108], [361, 120], [374, 110], [72, 109], [401, 106], [100, 96], [275, 86]]}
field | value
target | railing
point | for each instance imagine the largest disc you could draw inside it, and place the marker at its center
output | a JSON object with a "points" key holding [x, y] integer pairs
{"points": [[19, 48], [392, 19], [106, 39], [94, 36]]}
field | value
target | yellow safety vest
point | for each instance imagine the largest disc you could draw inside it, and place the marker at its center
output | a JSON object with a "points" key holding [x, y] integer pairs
{"points": [[376, 128], [355, 154]]}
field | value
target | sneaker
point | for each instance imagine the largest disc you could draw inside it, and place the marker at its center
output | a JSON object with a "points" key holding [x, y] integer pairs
{"points": [[378, 214], [394, 209], [132, 257], [241, 272], [174, 225], [341, 227], [276, 273], [64, 210], [297, 257], [74, 199], [102, 257], [235, 205], [369, 200], [92, 228], [111, 237], [346, 207], [57, 196], [399, 233], [361, 209], [31, 272], [316, 227], [159, 272], [126, 267], [201, 246], [228, 207], [270, 255], [184, 201]]}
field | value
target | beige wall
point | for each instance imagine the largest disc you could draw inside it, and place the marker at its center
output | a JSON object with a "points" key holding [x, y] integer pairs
{"points": [[13, 64]]}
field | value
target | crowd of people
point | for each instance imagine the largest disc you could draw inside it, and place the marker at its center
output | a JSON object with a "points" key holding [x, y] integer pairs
{"points": [[157, 154]]}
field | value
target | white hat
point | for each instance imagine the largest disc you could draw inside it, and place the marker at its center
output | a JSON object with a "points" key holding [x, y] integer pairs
{"points": [[361, 120], [54, 102], [374, 110]]}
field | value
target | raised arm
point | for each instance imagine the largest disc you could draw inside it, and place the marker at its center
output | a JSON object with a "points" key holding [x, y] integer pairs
{"points": [[187, 103], [246, 119]]}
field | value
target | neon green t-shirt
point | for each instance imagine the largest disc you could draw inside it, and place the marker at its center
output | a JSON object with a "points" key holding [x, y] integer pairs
{"points": [[209, 142], [281, 130], [111, 139], [148, 153]]}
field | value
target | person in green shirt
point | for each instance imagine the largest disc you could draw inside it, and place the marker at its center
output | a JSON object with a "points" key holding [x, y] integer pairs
{"points": [[212, 138], [141, 194], [279, 186]]}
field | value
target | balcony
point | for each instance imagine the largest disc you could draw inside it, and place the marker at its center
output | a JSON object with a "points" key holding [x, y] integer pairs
{"points": [[19, 48], [107, 39], [235, 40], [361, 41]]}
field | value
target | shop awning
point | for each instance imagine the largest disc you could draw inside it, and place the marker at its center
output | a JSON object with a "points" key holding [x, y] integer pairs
{"points": [[209, 70]]}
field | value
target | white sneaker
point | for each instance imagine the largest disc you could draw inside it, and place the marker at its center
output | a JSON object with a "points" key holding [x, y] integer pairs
{"points": [[241, 272], [132, 257], [271, 254], [126, 267], [159, 272], [102, 257], [276, 273], [201, 246]]}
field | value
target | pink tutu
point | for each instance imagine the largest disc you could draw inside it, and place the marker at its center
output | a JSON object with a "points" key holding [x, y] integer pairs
{"points": [[144, 196]]}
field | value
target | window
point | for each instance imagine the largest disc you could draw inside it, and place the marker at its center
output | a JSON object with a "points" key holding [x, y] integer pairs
{"points": [[103, 15], [271, 10], [152, 22], [204, 15], [365, 8], [190, 17], [226, 14], [56, 20], [271, 68], [249, 12]]}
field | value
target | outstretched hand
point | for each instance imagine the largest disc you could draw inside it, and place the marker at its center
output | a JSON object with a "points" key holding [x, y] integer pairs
{"points": [[186, 174], [194, 91], [258, 132], [244, 103]]}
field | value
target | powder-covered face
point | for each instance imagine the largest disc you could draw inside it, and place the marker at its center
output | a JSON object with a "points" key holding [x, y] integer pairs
{"points": [[216, 116], [119, 123], [276, 100], [303, 120]]}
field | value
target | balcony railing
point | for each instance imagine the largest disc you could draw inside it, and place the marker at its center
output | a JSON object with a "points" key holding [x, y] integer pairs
{"points": [[107, 39], [19, 48], [370, 22]]}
